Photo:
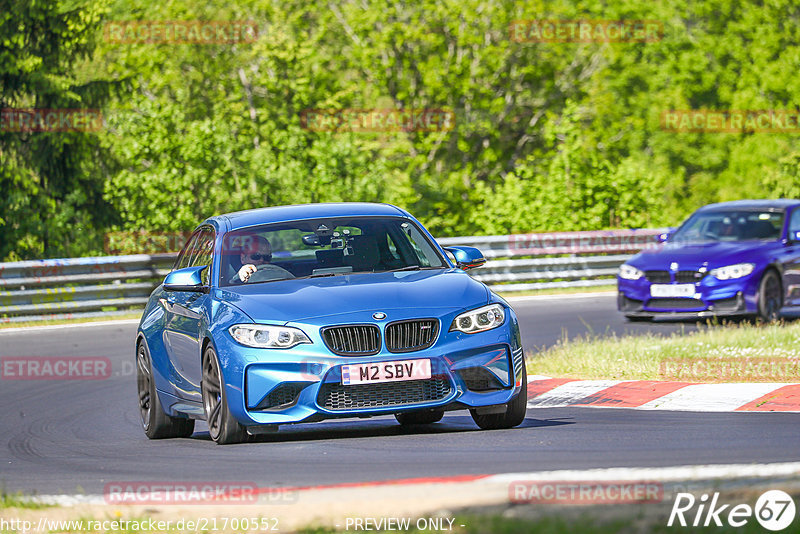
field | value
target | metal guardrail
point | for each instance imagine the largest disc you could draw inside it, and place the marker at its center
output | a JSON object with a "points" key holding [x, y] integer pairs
{"points": [[113, 285]]}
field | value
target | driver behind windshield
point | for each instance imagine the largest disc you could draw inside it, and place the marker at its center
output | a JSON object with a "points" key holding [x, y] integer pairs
{"points": [[255, 257]]}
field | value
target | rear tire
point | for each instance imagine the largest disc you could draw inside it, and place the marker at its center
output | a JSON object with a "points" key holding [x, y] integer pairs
{"points": [[424, 417], [514, 414], [223, 428], [155, 422], [770, 297]]}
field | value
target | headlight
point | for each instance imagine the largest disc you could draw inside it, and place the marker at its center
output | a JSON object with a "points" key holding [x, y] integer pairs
{"points": [[268, 337], [479, 320], [730, 272], [629, 272]]}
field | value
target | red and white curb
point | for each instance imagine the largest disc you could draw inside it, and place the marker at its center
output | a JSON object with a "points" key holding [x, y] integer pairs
{"points": [[494, 487], [546, 392]]}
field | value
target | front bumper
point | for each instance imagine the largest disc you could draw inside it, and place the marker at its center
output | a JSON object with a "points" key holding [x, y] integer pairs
{"points": [[304, 384], [712, 298]]}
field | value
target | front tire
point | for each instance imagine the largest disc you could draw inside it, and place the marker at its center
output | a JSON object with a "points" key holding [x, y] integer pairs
{"points": [[514, 414], [223, 428], [770, 297], [155, 422]]}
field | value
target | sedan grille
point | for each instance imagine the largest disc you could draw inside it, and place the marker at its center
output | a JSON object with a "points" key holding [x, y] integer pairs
{"points": [[689, 277], [335, 396], [353, 340], [658, 277], [676, 304], [408, 336]]}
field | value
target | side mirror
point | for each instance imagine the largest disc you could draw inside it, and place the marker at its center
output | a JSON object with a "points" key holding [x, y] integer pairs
{"points": [[663, 238], [467, 257], [186, 279]]}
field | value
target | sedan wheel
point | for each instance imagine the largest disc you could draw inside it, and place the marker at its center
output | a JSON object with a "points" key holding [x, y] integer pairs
{"points": [[222, 426], [770, 297], [155, 422]]}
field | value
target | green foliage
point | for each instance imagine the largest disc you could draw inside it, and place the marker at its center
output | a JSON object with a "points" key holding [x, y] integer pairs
{"points": [[51, 183], [546, 136]]}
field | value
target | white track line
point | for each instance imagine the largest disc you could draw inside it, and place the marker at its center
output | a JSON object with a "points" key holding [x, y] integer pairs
{"points": [[563, 296], [38, 328], [711, 397], [682, 473], [677, 473], [569, 393]]}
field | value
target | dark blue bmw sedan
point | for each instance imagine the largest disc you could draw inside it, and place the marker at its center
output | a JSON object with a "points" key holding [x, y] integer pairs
{"points": [[731, 258], [296, 314]]}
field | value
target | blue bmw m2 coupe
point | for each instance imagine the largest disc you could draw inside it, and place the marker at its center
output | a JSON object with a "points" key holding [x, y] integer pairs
{"points": [[297, 314], [731, 258]]}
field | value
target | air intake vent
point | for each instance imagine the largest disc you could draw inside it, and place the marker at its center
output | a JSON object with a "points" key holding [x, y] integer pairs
{"points": [[409, 336], [353, 340], [333, 396], [282, 396]]}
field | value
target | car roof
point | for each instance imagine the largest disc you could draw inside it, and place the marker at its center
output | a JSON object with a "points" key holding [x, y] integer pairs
{"points": [[780, 203], [244, 219]]}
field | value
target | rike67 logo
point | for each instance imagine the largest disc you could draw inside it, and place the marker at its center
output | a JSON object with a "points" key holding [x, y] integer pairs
{"points": [[774, 510]]}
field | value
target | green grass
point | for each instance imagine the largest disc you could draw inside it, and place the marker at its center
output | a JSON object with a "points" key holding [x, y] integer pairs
{"points": [[639, 357], [17, 500]]}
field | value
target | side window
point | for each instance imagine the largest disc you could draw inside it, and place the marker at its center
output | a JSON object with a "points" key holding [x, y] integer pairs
{"points": [[794, 223], [186, 253], [202, 252]]}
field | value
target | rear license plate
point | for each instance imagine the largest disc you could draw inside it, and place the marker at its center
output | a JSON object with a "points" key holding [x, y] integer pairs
{"points": [[672, 290], [370, 373]]}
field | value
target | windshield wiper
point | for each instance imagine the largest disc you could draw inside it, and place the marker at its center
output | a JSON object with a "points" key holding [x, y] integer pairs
{"points": [[406, 268], [320, 275]]}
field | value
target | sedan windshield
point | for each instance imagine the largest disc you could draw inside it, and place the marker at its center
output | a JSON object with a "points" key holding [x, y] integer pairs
{"points": [[733, 225], [325, 247]]}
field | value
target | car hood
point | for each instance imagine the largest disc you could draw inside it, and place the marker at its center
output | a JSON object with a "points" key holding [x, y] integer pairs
{"points": [[690, 256], [305, 299]]}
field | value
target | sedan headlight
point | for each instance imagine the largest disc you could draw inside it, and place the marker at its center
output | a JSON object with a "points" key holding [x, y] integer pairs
{"points": [[268, 337], [629, 272], [730, 272], [480, 319]]}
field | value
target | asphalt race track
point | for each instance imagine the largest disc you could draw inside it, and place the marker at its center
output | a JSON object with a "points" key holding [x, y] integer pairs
{"points": [[62, 436]]}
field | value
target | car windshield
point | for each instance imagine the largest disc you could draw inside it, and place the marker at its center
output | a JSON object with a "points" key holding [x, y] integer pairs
{"points": [[733, 225], [326, 247]]}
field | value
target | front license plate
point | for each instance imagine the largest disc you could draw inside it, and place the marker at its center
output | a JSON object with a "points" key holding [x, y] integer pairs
{"points": [[672, 290], [370, 373]]}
